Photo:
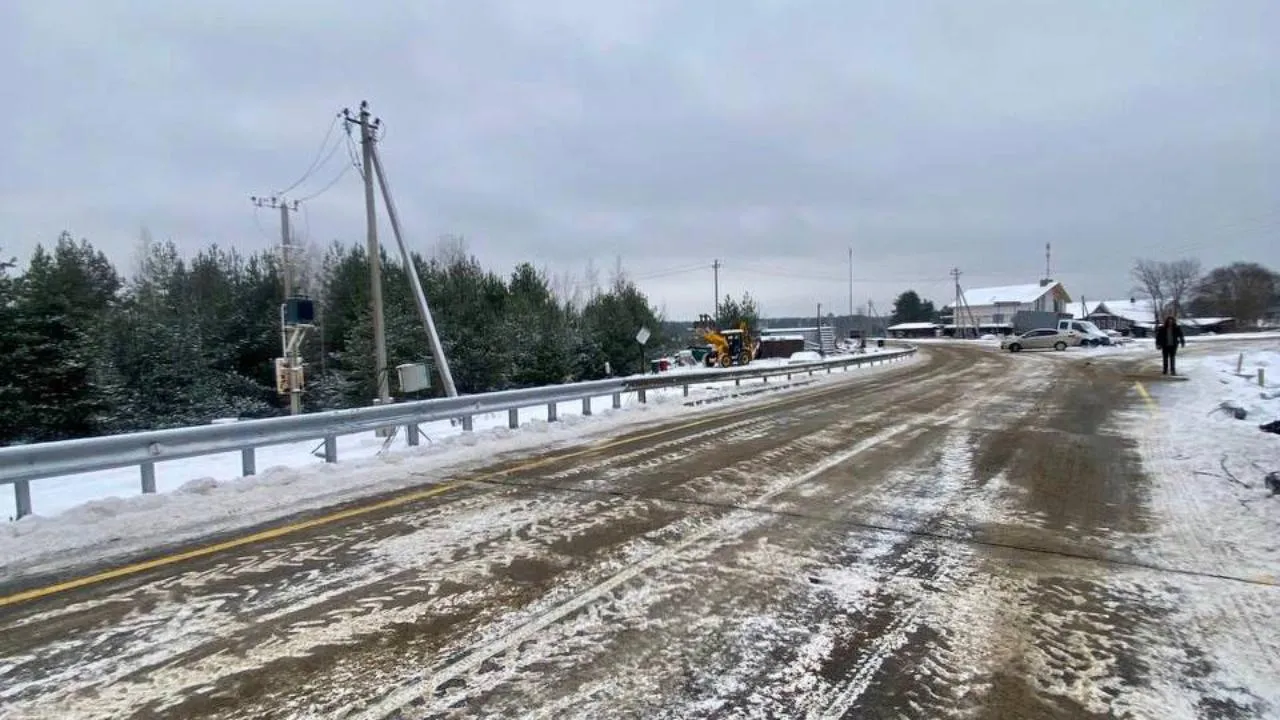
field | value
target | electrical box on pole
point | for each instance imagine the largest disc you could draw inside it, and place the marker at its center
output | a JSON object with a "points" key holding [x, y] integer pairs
{"points": [[413, 377], [299, 311]]}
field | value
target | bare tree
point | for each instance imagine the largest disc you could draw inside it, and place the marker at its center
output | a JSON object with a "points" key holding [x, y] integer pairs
{"points": [[142, 251], [1168, 284], [591, 280], [450, 250], [1180, 278], [1242, 291], [619, 278], [562, 287]]}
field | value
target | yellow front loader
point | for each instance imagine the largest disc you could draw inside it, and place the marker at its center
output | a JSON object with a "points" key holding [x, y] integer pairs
{"points": [[728, 347]]}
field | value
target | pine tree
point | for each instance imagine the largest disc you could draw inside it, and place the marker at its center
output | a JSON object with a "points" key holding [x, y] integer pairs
{"points": [[10, 410], [611, 322], [58, 327]]}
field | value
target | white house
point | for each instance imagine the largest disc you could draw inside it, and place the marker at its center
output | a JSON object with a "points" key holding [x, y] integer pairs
{"points": [[993, 308]]}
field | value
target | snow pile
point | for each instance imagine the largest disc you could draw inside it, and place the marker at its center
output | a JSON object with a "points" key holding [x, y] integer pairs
{"points": [[205, 496], [1236, 378], [1227, 337]]}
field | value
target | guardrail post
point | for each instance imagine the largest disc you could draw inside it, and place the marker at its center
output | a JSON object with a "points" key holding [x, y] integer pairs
{"points": [[149, 478], [788, 377], [586, 406], [411, 434], [737, 382], [640, 395], [468, 424], [552, 411], [828, 369], [686, 391], [248, 463], [617, 401], [513, 418], [765, 378], [22, 497], [331, 448]]}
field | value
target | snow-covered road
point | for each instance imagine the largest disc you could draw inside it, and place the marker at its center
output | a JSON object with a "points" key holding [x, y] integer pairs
{"points": [[972, 535]]}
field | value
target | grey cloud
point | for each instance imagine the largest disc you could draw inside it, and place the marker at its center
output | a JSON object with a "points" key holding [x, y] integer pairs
{"points": [[770, 135]]}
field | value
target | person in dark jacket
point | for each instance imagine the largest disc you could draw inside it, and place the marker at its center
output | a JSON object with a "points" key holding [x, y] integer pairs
{"points": [[1169, 338]]}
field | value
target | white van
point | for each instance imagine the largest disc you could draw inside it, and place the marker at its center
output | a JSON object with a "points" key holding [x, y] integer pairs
{"points": [[1089, 333]]}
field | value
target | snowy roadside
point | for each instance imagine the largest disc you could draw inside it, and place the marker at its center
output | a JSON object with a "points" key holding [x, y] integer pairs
{"points": [[104, 516], [1207, 468], [1214, 517], [52, 496]]}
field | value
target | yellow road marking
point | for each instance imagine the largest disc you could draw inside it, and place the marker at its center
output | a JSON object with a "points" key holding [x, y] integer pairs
{"points": [[274, 533], [1142, 390]]}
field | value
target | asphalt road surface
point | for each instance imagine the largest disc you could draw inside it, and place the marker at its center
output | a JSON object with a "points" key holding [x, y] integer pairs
{"points": [[962, 536]]}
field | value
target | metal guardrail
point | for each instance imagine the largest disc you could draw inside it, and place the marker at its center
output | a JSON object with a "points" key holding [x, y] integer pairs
{"points": [[21, 464]]}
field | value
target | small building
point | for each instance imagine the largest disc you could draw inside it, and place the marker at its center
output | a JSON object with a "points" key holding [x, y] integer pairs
{"points": [[1207, 325], [1132, 316], [818, 339], [992, 309], [914, 330], [780, 346], [1137, 317]]}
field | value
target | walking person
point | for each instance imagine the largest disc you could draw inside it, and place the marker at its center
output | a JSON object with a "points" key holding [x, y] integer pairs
{"points": [[1169, 338]]}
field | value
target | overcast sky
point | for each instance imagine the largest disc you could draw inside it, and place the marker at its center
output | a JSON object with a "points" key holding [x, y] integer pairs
{"points": [[771, 135]]}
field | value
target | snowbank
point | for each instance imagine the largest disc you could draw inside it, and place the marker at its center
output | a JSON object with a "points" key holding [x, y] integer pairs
{"points": [[83, 519], [1207, 467], [1226, 337]]}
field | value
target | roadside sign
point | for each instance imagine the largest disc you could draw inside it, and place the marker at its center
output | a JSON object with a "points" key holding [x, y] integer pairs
{"points": [[643, 336]]}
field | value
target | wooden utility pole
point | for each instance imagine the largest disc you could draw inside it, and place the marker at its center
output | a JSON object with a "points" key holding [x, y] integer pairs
{"points": [[368, 130]]}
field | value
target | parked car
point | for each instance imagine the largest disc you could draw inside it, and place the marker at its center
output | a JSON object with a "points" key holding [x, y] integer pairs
{"points": [[1089, 333], [1041, 339]]}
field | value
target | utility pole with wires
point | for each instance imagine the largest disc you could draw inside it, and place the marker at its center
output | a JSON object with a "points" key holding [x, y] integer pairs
{"points": [[715, 267], [296, 312], [850, 286], [368, 129], [372, 166], [955, 309]]}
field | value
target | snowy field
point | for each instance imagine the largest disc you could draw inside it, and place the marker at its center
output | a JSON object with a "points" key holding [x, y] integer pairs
{"points": [[207, 495]]}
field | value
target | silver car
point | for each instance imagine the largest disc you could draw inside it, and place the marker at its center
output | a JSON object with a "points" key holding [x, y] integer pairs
{"points": [[1042, 339]]}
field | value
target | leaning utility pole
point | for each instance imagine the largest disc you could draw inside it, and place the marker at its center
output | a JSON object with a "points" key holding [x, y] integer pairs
{"points": [[437, 348], [367, 132], [289, 378]]}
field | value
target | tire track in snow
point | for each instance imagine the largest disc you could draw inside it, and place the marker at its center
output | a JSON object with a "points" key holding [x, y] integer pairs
{"points": [[475, 657]]}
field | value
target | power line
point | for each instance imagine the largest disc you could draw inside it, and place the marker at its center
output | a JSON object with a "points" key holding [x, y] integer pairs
{"points": [[317, 163], [352, 155], [341, 174], [666, 273], [793, 275]]}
